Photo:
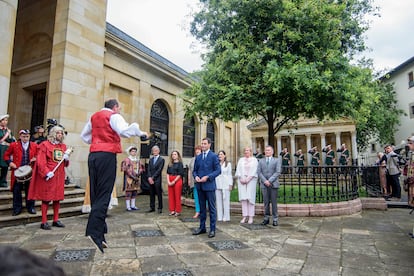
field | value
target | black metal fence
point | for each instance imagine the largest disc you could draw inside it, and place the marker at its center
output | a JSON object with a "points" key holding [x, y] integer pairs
{"points": [[323, 184]]}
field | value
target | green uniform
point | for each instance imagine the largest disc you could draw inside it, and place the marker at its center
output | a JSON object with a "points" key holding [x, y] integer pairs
{"points": [[343, 160], [315, 159], [4, 145], [330, 157]]}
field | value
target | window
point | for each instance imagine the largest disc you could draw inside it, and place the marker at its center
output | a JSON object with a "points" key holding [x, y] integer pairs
{"points": [[411, 110], [211, 134], [410, 79], [188, 137], [159, 123]]}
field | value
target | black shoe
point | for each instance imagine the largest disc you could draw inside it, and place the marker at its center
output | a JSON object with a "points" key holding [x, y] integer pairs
{"points": [[265, 222], [151, 210], [159, 211], [275, 223], [45, 226], [16, 213], [199, 231], [32, 211], [58, 224], [212, 234], [97, 244]]}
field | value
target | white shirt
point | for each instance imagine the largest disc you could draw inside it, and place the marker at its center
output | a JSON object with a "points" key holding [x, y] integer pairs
{"points": [[25, 145], [118, 124]]}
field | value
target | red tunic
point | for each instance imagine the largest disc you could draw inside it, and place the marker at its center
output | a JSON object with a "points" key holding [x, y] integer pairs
{"points": [[48, 156], [15, 153]]}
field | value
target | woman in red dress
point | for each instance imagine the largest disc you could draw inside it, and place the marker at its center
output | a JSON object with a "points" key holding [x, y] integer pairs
{"points": [[48, 178]]}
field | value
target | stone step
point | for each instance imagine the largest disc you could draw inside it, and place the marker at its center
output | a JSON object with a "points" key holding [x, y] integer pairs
{"points": [[7, 198], [70, 206], [25, 218], [6, 209], [6, 190]]}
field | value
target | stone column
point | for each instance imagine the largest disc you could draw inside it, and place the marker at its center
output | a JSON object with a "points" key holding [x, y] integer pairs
{"points": [[338, 139], [354, 147], [308, 147], [76, 83], [8, 10], [338, 145], [323, 145], [292, 146], [279, 145]]}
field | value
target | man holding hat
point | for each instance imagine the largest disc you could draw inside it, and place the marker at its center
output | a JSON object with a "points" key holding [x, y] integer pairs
{"points": [[6, 137], [19, 154], [39, 135]]}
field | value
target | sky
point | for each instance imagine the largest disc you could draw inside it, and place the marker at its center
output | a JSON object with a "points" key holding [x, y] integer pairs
{"points": [[163, 26]]}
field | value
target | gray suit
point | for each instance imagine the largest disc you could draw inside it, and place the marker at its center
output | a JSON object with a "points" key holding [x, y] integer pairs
{"points": [[269, 170]]}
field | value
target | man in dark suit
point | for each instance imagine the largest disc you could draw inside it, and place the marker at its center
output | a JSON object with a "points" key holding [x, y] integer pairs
{"points": [[155, 166], [206, 169], [268, 171]]}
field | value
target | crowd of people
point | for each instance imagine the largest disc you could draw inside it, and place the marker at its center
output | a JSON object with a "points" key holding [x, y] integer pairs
{"points": [[37, 167], [209, 174], [315, 157]]}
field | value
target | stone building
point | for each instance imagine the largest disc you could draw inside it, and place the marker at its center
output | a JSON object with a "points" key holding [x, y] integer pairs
{"points": [[306, 134], [60, 59]]}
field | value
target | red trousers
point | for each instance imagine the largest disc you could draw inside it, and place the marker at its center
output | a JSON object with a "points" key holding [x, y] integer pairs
{"points": [[174, 195]]}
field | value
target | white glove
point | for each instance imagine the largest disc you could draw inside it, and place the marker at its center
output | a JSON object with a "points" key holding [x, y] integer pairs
{"points": [[68, 151], [49, 175], [66, 156]]}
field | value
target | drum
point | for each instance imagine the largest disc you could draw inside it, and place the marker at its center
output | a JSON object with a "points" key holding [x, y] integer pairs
{"points": [[23, 173]]}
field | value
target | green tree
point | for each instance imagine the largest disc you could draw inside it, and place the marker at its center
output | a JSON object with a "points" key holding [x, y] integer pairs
{"points": [[280, 60], [380, 118]]}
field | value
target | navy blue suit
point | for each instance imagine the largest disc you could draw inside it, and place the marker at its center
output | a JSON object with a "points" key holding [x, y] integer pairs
{"points": [[210, 166]]}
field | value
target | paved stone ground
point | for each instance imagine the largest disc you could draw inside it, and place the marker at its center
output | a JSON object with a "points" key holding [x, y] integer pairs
{"points": [[369, 243]]}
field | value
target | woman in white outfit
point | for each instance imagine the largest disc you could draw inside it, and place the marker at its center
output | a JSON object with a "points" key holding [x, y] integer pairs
{"points": [[224, 183], [246, 174]]}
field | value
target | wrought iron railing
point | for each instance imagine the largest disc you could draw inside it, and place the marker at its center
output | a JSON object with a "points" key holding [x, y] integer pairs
{"points": [[323, 184]]}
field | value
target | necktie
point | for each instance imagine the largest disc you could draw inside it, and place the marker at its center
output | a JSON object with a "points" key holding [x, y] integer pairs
{"points": [[155, 159], [267, 160], [204, 155]]}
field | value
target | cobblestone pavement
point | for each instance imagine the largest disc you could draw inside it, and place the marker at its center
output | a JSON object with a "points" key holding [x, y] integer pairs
{"points": [[140, 243]]}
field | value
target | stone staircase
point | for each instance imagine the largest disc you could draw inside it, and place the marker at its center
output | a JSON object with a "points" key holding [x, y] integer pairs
{"points": [[70, 206]]}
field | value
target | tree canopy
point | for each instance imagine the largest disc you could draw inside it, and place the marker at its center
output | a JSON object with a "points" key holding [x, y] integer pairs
{"points": [[281, 60]]}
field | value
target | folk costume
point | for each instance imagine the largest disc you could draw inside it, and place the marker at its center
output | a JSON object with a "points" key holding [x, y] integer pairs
{"points": [[300, 161], [330, 157], [21, 154], [343, 160], [132, 168], [285, 161], [48, 180], [103, 132], [6, 137]]}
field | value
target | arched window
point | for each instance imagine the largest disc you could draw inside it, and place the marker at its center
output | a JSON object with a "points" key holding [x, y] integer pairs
{"points": [[188, 137], [159, 124], [211, 134]]}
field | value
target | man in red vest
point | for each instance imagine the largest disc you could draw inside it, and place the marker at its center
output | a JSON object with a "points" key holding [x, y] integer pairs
{"points": [[103, 132]]}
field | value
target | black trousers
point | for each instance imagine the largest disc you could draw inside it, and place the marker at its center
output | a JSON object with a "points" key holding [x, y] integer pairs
{"points": [[155, 189], [17, 196], [102, 174], [3, 176]]}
